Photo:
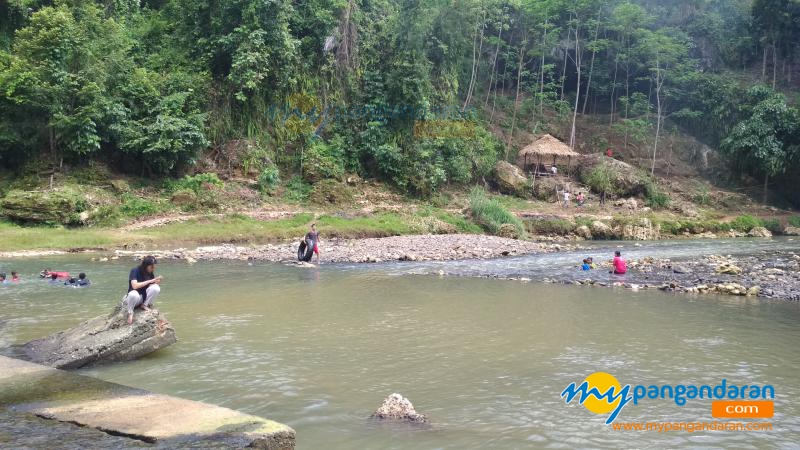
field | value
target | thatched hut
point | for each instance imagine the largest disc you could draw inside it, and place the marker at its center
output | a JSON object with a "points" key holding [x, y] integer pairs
{"points": [[543, 151]]}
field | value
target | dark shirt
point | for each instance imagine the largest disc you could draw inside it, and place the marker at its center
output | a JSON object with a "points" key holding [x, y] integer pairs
{"points": [[139, 275], [312, 236]]}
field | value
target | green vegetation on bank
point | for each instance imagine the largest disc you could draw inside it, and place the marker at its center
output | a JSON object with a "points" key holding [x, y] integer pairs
{"points": [[314, 91]]}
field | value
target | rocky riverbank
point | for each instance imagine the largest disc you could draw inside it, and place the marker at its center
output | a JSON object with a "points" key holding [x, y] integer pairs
{"points": [[773, 275], [440, 247]]}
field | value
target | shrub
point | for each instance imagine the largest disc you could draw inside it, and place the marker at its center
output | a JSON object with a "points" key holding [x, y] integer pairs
{"points": [[773, 225], [322, 161], [133, 206], [331, 191], [702, 197], [654, 197], [794, 221], [297, 190], [195, 183], [490, 214], [601, 179], [269, 179], [745, 223], [559, 227]]}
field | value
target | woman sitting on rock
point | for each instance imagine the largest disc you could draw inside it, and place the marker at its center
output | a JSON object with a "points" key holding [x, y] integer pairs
{"points": [[143, 287]]}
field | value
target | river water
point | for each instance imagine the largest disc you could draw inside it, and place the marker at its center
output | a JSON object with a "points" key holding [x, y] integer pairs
{"points": [[486, 360]]}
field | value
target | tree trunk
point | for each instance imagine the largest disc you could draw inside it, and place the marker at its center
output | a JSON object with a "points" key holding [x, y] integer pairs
{"points": [[516, 98], [659, 83], [774, 64], [494, 66], [591, 67], [475, 60], [613, 89], [541, 82], [564, 68], [766, 184], [764, 65], [577, 87]]}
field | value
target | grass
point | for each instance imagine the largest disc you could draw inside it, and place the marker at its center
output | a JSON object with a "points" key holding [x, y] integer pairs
{"points": [[235, 228], [491, 214], [14, 238]]}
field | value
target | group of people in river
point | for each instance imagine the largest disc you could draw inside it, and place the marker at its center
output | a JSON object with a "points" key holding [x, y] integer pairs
{"points": [[620, 266], [54, 278]]}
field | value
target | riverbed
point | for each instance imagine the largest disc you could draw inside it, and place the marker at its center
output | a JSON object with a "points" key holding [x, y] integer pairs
{"points": [[485, 359]]}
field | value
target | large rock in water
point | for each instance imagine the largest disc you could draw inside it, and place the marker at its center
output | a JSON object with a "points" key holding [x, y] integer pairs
{"points": [[397, 407], [510, 179], [101, 340]]}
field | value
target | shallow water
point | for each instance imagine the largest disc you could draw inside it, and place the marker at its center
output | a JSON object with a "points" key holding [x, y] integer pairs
{"points": [[486, 360]]}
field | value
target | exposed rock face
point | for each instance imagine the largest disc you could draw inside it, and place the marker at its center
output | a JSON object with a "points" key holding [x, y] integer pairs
{"points": [[545, 188], [601, 230], [61, 206], [759, 232], [627, 180], [101, 340], [584, 232], [397, 407], [643, 231], [510, 179], [791, 231]]}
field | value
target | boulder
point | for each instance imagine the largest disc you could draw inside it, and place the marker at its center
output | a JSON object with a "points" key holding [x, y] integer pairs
{"points": [[103, 339], [546, 188], [759, 232], [510, 179], [602, 230], [644, 230], [397, 407], [729, 269], [791, 231], [59, 206], [508, 230], [627, 180], [584, 232], [119, 186]]}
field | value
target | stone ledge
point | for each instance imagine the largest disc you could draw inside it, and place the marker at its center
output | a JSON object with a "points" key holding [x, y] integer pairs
{"points": [[132, 413]]}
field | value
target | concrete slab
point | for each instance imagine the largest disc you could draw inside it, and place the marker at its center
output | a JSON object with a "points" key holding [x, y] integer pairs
{"points": [[133, 413]]}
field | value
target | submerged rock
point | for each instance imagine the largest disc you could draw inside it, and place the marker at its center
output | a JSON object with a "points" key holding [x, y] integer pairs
{"points": [[101, 340], [397, 407]]}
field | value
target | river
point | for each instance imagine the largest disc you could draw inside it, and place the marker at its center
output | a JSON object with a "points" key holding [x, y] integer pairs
{"points": [[486, 360]]}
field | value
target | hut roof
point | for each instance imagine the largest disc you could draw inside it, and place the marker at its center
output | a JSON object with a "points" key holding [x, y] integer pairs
{"points": [[548, 146]]}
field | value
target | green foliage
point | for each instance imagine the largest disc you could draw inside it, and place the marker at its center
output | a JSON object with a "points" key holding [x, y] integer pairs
{"points": [[701, 196], [745, 223], [773, 225], [322, 161], [654, 197], [133, 206], [269, 179], [601, 178], [549, 226], [195, 183], [490, 213], [794, 221], [297, 190]]}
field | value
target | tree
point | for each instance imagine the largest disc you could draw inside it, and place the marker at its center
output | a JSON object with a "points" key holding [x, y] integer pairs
{"points": [[768, 141]]}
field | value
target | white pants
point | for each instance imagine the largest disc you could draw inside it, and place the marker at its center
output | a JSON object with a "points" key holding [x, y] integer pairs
{"points": [[134, 299]]}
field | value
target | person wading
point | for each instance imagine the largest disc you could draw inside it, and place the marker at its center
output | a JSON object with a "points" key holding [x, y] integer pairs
{"points": [[143, 287]]}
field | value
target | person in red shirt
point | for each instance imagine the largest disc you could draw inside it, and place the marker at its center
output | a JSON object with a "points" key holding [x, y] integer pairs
{"points": [[609, 152], [620, 266]]}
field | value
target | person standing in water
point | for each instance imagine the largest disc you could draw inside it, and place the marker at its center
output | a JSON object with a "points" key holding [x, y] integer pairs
{"points": [[143, 287], [313, 235], [620, 266]]}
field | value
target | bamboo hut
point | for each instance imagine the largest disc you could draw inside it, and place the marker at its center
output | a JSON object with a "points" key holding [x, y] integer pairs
{"points": [[542, 150]]}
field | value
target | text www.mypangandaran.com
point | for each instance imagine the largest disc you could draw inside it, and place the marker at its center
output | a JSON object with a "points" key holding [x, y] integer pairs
{"points": [[691, 426]]}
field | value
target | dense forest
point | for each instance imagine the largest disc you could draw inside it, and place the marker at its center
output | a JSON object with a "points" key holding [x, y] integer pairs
{"points": [[325, 87]]}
